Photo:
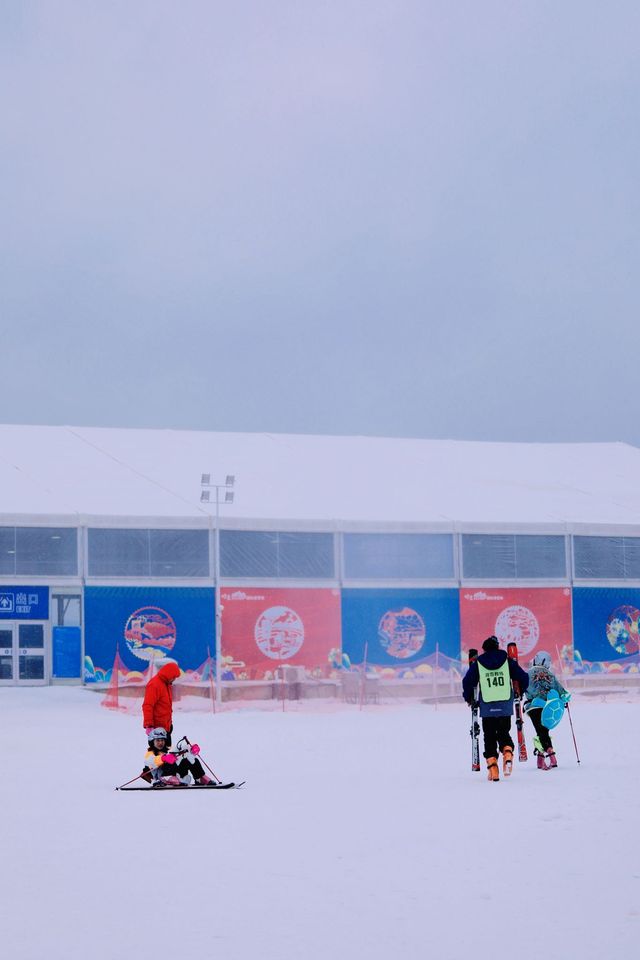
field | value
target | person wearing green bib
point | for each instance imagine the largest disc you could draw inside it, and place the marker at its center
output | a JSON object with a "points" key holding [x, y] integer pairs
{"points": [[493, 673]]}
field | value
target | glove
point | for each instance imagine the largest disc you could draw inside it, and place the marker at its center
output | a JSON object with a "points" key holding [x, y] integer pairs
{"points": [[148, 730], [168, 758], [195, 749], [566, 696]]}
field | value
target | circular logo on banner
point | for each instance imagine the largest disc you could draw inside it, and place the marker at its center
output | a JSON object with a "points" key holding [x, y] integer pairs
{"points": [[279, 633], [402, 632], [150, 633], [622, 630], [518, 625]]}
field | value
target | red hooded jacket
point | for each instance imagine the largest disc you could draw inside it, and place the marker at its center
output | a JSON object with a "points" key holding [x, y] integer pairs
{"points": [[157, 706]]}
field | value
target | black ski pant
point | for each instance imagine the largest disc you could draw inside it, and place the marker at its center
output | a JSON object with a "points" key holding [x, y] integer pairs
{"points": [[535, 716], [497, 735], [193, 767]]}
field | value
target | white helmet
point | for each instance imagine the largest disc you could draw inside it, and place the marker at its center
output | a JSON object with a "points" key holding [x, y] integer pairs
{"points": [[158, 733]]}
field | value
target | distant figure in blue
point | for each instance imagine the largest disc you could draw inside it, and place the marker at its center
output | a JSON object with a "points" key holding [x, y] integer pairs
{"points": [[541, 681], [493, 673]]}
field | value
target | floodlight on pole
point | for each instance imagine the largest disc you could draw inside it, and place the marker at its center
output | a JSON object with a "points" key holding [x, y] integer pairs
{"points": [[205, 497]]}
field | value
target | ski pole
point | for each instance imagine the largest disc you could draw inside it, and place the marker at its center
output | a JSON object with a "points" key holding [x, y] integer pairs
{"points": [[573, 734], [215, 776], [130, 781]]}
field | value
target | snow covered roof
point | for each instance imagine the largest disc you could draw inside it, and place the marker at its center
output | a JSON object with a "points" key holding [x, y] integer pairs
{"points": [[105, 475]]}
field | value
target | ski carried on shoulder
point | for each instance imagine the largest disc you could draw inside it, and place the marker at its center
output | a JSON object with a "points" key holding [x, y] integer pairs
{"points": [[163, 787], [475, 726], [512, 653]]}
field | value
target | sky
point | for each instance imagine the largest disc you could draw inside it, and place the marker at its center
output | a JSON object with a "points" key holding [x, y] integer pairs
{"points": [[386, 217]]}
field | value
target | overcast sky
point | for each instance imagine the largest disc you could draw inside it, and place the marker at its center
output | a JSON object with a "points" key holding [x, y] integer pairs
{"points": [[392, 217]]}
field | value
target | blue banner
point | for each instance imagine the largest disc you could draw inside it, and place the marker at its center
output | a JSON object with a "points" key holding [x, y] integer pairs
{"points": [[606, 624], [147, 623], [24, 603], [400, 627]]}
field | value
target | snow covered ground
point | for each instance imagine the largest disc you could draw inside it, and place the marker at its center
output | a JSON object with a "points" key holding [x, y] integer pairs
{"points": [[358, 834]]}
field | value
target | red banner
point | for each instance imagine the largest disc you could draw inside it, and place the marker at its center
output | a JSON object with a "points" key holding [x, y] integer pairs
{"points": [[264, 628], [536, 618]]}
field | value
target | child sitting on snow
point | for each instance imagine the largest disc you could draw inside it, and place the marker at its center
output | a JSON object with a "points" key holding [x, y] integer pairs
{"points": [[172, 769], [541, 681]]}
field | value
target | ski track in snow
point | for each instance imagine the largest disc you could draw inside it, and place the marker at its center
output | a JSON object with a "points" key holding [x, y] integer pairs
{"points": [[358, 833]]}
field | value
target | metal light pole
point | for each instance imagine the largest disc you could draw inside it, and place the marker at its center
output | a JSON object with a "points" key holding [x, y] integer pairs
{"points": [[205, 497]]}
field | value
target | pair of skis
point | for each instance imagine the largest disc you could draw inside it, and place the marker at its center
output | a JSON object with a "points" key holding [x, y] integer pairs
{"points": [[475, 724], [512, 653], [163, 788]]}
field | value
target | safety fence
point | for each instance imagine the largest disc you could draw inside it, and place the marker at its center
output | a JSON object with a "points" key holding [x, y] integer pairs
{"points": [[436, 678]]}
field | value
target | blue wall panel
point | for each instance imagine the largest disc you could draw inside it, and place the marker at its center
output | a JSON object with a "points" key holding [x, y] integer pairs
{"points": [[400, 626], [66, 645], [159, 623], [605, 623]]}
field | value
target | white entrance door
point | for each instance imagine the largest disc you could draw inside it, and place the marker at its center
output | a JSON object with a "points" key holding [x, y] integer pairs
{"points": [[22, 653]]}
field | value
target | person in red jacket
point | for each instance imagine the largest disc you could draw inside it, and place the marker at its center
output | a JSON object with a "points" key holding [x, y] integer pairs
{"points": [[157, 706]]}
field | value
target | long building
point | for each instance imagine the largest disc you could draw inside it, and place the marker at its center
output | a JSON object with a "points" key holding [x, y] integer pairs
{"points": [[314, 551]]}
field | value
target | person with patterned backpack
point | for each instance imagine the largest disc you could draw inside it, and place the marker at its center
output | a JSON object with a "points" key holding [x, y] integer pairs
{"points": [[543, 687], [493, 672]]}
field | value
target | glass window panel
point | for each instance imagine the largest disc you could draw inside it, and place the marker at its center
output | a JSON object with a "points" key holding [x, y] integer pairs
{"points": [[599, 558], [65, 610], [248, 553], [305, 555], [490, 557], [632, 558], [6, 637], [179, 553], [6, 668], [31, 635], [47, 550], [538, 556], [398, 556], [245, 553], [31, 668], [118, 553], [7, 550]]}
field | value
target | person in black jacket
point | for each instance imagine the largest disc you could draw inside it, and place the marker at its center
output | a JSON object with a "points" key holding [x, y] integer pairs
{"points": [[493, 673]]}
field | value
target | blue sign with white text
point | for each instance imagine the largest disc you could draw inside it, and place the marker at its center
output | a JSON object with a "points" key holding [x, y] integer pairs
{"points": [[24, 603]]}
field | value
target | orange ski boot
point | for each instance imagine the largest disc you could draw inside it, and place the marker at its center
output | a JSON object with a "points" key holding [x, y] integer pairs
{"points": [[492, 768], [507, 761]]}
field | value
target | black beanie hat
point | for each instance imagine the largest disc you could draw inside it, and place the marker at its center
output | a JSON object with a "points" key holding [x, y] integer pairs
{"points": [[491, 643]]}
